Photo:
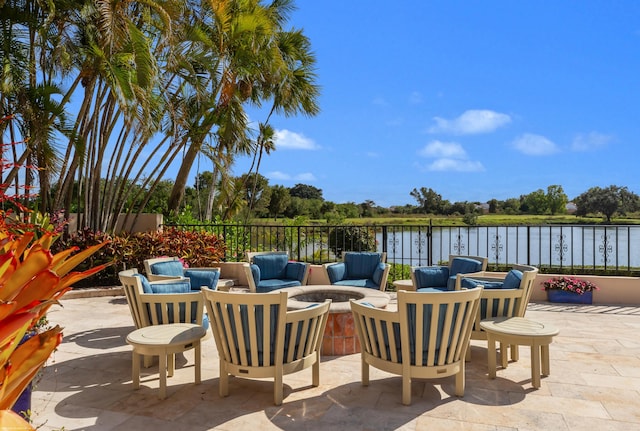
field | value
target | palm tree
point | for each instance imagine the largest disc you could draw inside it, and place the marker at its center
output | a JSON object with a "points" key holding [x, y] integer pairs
{"points": [[258, 61]]}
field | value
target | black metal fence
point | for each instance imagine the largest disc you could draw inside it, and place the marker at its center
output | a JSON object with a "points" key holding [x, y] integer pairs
{"points": [[583, 249]]}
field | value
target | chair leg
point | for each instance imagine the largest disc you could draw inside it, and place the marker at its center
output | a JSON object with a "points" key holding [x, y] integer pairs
{"points": [[406, 390], [224, 380], [197, 366], [460, 380], [315, 370], [277, 389], [365, 372]]}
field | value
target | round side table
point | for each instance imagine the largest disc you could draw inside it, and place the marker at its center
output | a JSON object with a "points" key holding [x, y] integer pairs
{"points": [[523, 332], [165, 341]]}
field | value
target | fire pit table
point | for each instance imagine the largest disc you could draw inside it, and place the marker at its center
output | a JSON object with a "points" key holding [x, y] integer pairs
{"points": [[340, 336]]}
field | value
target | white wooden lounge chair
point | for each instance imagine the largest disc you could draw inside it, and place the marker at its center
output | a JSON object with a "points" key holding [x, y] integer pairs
{"points": [[149, 309], [257, 337], [427, 336]]}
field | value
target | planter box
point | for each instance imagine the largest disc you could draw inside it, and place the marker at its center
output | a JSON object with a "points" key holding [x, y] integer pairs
{"points": [[556, 295]]}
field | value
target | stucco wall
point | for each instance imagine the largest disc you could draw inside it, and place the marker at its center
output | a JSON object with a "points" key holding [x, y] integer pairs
{"points": [[612, 290]]}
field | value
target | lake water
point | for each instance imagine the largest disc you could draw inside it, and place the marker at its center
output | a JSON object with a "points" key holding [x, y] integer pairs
{"points": [[578, 246]]}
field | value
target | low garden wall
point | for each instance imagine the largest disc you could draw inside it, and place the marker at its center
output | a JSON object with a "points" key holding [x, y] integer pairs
{"points": [[612, 290]]}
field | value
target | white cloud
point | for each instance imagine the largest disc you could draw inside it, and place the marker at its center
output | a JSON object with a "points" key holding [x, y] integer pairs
{"points": [[277, 175], [450, 157], [473, 121], [372, 154], [443, 149], [286, 139], [590, 141], [451, 165], [534, 145], [282, 176]]}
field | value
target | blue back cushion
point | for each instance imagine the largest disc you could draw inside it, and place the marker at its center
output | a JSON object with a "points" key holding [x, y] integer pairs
{"points": [[170, 267], [178, 286], [361, 264], [513, 279], [271, 265], [295, 271], [202, 277], [431, 276], [464, 265]]}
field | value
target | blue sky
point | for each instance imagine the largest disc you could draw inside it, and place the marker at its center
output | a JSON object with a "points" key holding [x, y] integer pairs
{"points": [[474, 99]]}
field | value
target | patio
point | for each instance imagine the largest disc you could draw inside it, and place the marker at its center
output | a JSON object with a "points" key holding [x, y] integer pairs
{"points": [[594, 383]]}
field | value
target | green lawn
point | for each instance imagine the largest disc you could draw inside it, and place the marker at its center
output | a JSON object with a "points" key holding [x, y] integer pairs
{"points": [[492, 220]]}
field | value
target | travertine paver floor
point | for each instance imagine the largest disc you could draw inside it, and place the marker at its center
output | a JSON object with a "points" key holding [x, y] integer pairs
{"points": [[594, 384]]}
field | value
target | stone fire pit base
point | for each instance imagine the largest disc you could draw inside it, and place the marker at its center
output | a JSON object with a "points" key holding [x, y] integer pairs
{"points": [[340, 336]]}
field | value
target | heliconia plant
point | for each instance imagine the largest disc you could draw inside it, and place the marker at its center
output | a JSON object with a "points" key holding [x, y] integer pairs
{"points": [[32, 279]]}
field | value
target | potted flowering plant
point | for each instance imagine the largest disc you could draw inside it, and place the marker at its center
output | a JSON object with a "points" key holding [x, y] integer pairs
{"points": [[569, 289]]}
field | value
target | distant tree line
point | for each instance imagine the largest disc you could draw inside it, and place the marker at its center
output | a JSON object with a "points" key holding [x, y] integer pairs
{"points": [[257, 199]]}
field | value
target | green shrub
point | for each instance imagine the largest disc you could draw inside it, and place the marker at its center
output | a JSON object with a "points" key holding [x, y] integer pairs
{"points": [[130, 250], [351, 238]]}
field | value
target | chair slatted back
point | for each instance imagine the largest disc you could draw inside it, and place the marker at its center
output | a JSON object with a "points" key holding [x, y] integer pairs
{"points": [[378, 331], [256, 330], [163, 308], [436, 326], [132, 290]]}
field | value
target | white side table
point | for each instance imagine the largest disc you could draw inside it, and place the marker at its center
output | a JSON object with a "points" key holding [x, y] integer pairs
{"points": [[523, 332], [165, 341]]}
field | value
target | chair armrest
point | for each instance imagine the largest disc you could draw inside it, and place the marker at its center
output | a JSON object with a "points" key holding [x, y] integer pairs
{"points": [[336, 271], [156, 277], [253, 275]]}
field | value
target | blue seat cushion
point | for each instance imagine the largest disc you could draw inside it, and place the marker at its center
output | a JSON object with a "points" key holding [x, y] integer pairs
{"points": [[361, 264], [275, 283], [431, 276], [431, 289], [170, 267], [271, 265], [362, 282], [464, 265], [201, 277]]}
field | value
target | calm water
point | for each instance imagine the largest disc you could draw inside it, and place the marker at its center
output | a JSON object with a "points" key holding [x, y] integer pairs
{"points": [[589, 246]]}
